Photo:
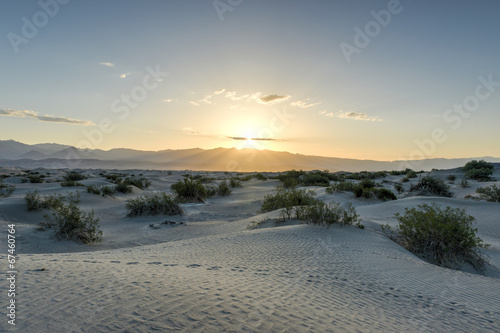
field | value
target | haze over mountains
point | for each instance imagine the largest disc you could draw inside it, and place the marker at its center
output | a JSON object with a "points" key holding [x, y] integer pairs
{"points": [[49, 155]]}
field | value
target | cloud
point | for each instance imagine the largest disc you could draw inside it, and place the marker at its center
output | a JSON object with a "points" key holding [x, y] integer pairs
{"points": [[168, 100], [124, 75], [351, 115], [190, 130], [45, 118], [220, 91], [107, 64], [240, 138], [194, 103], [303, 104], [273, 99]]}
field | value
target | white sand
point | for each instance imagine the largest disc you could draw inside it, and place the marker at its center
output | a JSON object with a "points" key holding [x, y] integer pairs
{"points": [[215, 275]]}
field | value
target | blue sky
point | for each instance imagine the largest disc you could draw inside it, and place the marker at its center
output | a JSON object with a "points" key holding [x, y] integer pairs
{"points": [[269, 75]]}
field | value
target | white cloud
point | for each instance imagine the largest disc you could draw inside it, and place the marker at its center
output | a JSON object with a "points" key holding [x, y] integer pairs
{"points": [[303, 104], [107, 64], [271, 99], [194, 103], [351, 115], [168, 100], [45, 118], [220, 91], [124, 75]]}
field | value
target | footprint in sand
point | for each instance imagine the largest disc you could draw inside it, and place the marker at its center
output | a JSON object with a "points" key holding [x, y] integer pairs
{"points": [[193, 266], [133, 263], [215, 268], [115, 261], [154, 263]]}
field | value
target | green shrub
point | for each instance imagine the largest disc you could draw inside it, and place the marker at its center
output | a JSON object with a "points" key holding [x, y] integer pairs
{"points": [[290, 182], [93, 189], [399, 188], [451, 178], [6, 190], [123, 187], [341, 186], [315, 179], [109, 191], [443, 237], [223, 189], [405, 180], [490, 193], [74, 176], [478, 170], [411, 174], [35, 178], [260, 176], [33, 201], [429, 186], [233, 182], [385, 194], [115, 177], [464, 183], [158, 203], [189, 190], [69, 222], [71, 183], [139, 182], [288, 199], [332, 213]]}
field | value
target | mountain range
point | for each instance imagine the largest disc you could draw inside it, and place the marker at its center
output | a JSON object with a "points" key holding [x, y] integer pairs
{"points": [[57, 156]]}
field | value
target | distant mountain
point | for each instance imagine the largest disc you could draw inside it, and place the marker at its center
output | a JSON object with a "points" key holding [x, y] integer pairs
{"points": [[14, 153]]}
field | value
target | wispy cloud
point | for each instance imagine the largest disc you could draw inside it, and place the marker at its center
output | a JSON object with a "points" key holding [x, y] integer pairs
{"points": [[240, 138], [124, 75], [45, 118], [268, 99], [351, 115], [168, 100], [220, 91], [304, 104], [107, 64], [194, 103]]}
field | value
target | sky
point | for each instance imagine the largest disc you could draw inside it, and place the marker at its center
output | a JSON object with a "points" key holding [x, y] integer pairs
{"points": [[382, 80]]}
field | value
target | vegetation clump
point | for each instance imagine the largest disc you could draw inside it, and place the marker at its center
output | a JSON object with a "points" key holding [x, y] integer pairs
{"points": [[333, 213], [73, 176], [36, 202], [444, 237], [429, 186], [71, 183], [158, 203], [291, 200], [189, 190], [478, 170], [139, 182], [490, 193], [6, 190], [341, 186]]}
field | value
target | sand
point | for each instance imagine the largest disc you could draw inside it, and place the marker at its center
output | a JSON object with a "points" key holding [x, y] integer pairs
{"points": [[214, 274]]}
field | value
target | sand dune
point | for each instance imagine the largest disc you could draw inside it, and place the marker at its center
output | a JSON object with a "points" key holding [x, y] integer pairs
{"points": [[214, 274]]}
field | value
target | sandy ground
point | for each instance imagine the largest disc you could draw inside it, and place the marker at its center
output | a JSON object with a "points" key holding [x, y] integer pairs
{"points": [[214, 274]]}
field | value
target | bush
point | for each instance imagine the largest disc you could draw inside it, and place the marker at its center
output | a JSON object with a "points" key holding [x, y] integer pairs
{"points": [[69, 222], [71, 183], [451, 178], [260, 176], [431, 186], [332, 213], [464, 183], [315, 179], [399, 188], [139, 182], [290, 182], [411, 174], [123, 187], [341, 186], [289, 200], [384, 194], [35, 202], [478, 170], [34, 178], [108, 191], [233, 182], [158, 203], [223, 189], [490, 193], [73, 176], [6, 190], [443, 237], [93, 189], [189, 190]]}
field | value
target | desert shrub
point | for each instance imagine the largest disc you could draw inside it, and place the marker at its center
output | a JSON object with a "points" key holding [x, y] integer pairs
{"points": [[443, 237], [478, 170], [260, 176], [411, 174], [108, 191], [288, 199], [490, 193], [315, 179], [93, 189], [6, 190], [385, 194], [429, 185], [158, 203], [71, 183], [464, 183], [33, 201], [223, 189], [333, 213], [290, 182], [341, 186], [34, 178], [399, 188], [246, 178], [115, 177], [451, 178], [73, 176], [139, 182], [405, 180], [233, 182], [69, 222], [291, 174], [123, 187], [189, 190]]}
